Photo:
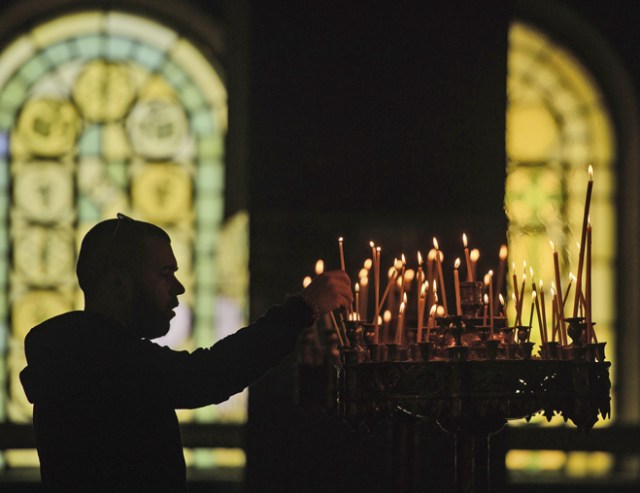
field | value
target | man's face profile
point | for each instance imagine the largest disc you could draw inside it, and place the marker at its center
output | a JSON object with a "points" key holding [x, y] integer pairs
{"points": [[155, 290]]}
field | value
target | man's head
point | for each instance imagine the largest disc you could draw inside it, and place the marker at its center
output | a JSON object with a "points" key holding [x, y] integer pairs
{"points": [[127, 267]]}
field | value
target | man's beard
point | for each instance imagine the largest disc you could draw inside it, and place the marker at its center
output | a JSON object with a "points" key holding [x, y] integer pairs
{"points": [[150, 323]]}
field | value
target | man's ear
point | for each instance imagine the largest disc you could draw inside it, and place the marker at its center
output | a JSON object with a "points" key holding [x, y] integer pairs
{"points": [[120, 284]]}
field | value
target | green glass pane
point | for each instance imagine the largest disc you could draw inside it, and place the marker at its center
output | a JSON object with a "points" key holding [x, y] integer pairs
{"points": [[58, 53], [118, 172], [148, 56], [201, 122], [89, 143], [210, 176], [191, 98], [173, 74], [6, 117], [33, 69], [13, 94], [89, 46], [210, 146], [87, 210], [117, 48]]}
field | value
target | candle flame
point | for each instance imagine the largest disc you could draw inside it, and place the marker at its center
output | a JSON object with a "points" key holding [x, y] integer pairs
{"points": [[378, 251], [456, 264], [433, 309], [490, 273], [306, 281], [435, 243], [340, 240], [485, 298], [423, 289], [364, 281], [409, 275], [524, 265], [397, 263], [368, 263], [357, 288], [399, 282], [364, 273], [553, 292], [590, 171], [513, 297], [572, 277], [531, 271], [404, 260], [372, 244], [533, 295], [380, 319], [475, 255], [435, 286], [504, 251], [404, 298], [319, 267], [464, 240], [553, 246], [541, 284], [432, 254], [501, 298], [420, 262], [386, 316], [487, 279], [402, 305], [513, 265], [440, 311], [392, 272]]}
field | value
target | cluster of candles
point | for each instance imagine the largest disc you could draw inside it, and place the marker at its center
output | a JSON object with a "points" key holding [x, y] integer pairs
{"points": [[392, 305]]}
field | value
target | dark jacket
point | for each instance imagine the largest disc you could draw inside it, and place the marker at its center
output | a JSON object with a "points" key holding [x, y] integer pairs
{"points": [[104, 399]]}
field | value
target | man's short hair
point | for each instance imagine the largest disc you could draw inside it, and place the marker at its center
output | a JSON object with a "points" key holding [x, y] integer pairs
{"points": [[113, 244]]}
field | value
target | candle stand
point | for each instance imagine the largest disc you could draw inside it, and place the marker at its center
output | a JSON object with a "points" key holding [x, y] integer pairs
{"points": [[471, 380]]}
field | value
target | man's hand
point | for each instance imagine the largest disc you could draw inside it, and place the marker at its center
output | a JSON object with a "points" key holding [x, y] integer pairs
{"points": [[329, 291]]}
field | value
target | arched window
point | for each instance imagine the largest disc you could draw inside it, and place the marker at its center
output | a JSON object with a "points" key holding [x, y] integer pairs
{"points": [[102, 112], [558, 124]]}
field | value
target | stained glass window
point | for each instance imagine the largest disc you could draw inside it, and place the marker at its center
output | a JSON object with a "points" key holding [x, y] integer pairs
{"points": [[558, 124], [102, 112]]}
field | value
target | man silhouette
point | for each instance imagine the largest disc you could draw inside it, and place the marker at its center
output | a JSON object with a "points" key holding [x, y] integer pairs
{"points": [[105, 396]]}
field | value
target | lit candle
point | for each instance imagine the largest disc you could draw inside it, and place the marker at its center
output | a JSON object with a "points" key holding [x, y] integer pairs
{"points": [[419, 278], [489, 282], [393, 274], [556, 269], [485, 298], [566, 293], [340, 241], [554, 314], [421, 305], [588, 288], [439, 259], [504, 310], [431, 257], [521, 300], [516, 295], [432, 314], [475, 256], [376, 289], [583, 236], [386, 322], [456, 283], [357, 301], [402, 279], [545, 337], [400, 326], [467, 258], [502, 265], [533, 302], [306, 281], [319, 268]]}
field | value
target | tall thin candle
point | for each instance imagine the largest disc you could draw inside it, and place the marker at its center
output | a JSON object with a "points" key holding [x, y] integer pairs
{"points": [[588, 287], [583, 236], [456, 283], [439, 258], [340, 244], [502, 265], [467, 258]]}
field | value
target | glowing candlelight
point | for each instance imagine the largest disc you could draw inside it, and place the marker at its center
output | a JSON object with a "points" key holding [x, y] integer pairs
{"points": [[516, 295], [439, 259], [583, 235], [485, 299], [432, 313], [319, 267], [306, 281], [456, 284], [475, 256], [340, 244], [386, 322], [572, 278], [400, 327], [488, 281], [467, 258], [393, 273], [421, 304], [358, 300], [376, 288], [504, 310], [364, 283], [502, 265], [402, 279]]}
